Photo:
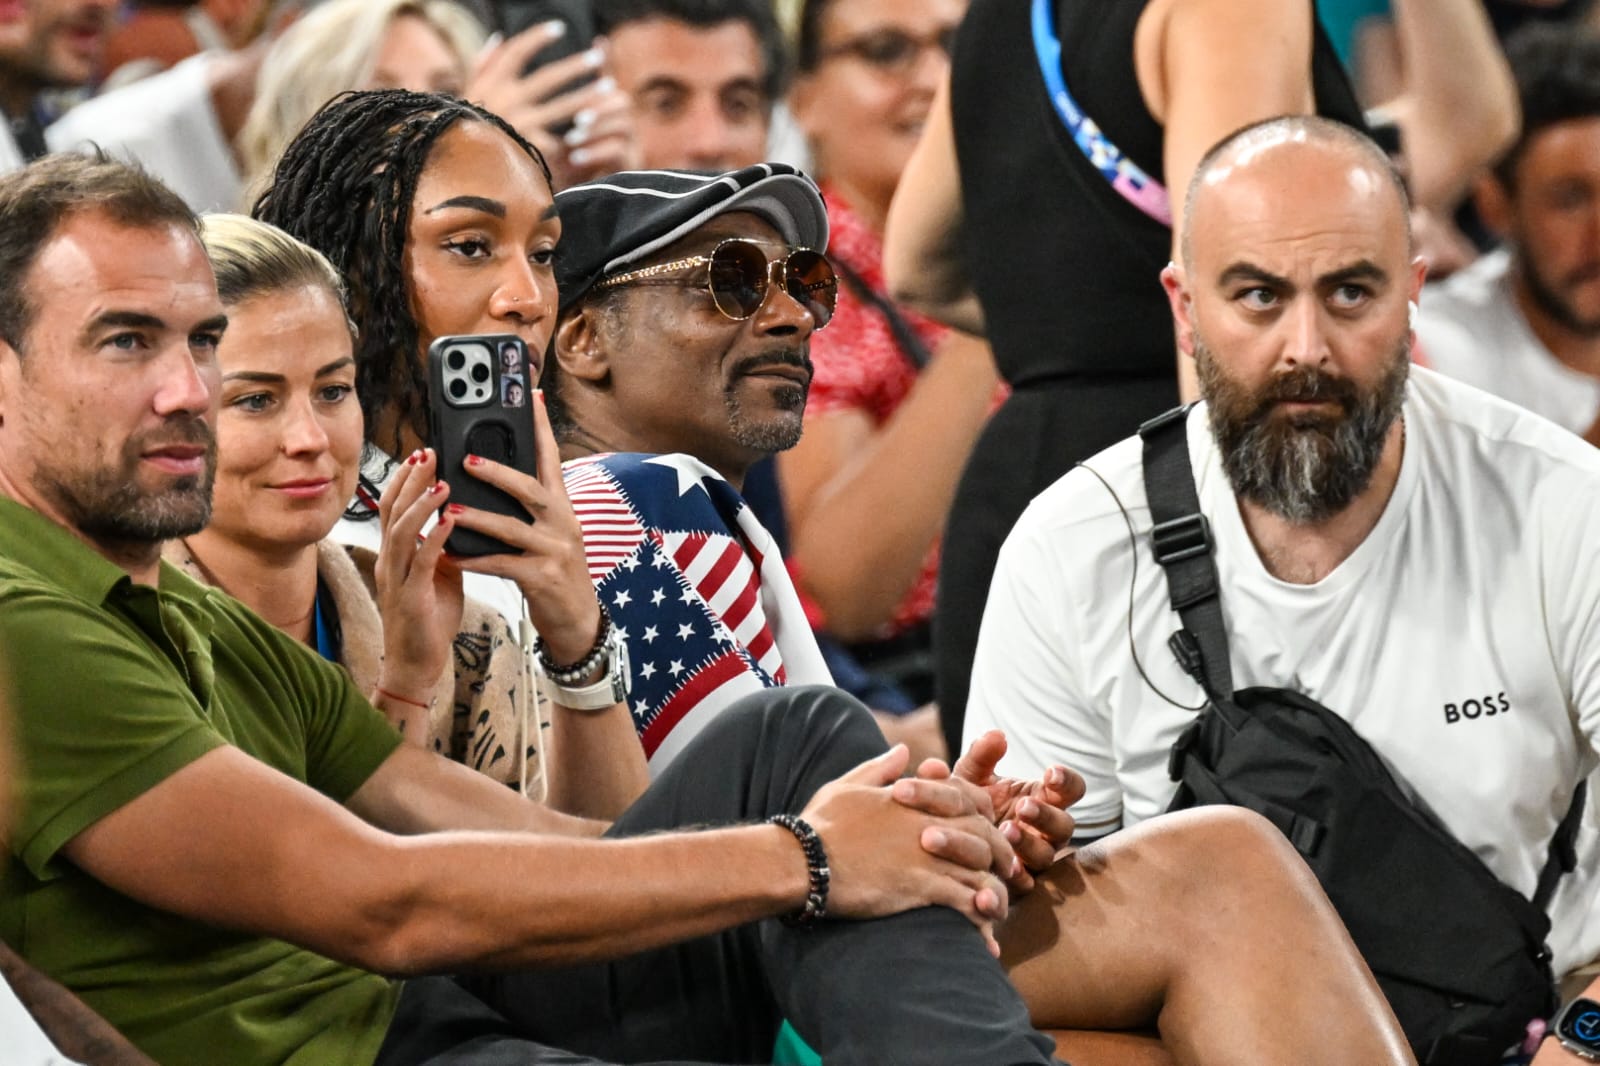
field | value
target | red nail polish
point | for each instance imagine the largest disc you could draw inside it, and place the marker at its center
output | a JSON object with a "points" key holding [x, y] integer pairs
{"points": [[411, 460], [436, 488], [453, 508], [474, 460]]}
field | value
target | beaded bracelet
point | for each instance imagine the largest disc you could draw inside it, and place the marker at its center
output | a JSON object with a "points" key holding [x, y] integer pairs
{"points": [[571, 674], [816, 905]]}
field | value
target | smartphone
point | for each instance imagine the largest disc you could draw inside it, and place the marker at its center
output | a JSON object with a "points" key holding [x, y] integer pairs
{"points": [[480, 402]]}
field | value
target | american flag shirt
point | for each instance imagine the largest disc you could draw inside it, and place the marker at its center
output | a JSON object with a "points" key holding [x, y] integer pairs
{"points": [[697, 587]]}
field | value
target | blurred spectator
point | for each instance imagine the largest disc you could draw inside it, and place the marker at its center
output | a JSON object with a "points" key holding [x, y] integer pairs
{"points": [[702, 75], [55, 44], [158, 34], [1524, 321], [423, 45], [212, 125], [897, 399]]}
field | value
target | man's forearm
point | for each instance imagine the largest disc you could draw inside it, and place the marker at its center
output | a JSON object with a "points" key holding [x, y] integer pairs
{"points": [[75, 1030], [456, 912]]}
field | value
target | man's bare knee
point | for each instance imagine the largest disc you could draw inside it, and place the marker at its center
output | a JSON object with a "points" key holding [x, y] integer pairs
{"points": [[1189, 855]]}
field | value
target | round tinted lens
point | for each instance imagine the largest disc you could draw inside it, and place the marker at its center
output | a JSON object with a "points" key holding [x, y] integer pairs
{"points": [[738, 278], [810, 280]]}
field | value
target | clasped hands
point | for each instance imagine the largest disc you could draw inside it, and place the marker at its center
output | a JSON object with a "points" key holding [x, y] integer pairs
{"points": [[961, 837], [1031, 815]]}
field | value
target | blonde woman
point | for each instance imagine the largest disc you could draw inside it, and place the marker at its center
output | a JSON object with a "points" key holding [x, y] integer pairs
{"points": [[447, 672], [434, 46]]}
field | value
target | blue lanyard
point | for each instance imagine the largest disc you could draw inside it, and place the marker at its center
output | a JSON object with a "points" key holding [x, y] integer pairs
{"points": [[1125, 176], [327, 641]]}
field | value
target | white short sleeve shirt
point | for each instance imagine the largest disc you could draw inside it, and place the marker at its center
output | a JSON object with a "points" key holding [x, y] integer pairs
{"points": [[1469, 327], [1461, 639]]}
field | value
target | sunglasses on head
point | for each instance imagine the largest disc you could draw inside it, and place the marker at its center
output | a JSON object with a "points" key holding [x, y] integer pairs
{"points": [[738, 273]]}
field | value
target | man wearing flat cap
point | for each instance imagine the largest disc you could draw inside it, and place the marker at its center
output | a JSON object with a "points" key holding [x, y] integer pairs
{"points": [[687, 303]]}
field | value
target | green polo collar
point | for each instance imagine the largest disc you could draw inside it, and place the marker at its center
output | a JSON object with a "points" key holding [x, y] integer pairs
{"points": [[31, 540]]}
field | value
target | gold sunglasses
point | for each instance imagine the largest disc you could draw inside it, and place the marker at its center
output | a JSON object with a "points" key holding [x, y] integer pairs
{"points": [[738, 274]]}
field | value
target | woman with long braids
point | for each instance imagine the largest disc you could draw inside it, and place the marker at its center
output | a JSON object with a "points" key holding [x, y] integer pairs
{"points": [[440, 217]]}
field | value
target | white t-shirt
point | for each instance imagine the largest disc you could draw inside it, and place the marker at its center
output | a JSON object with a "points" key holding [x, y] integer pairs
{"points": [[1461, 639], [165, 123], [1470, 327]]}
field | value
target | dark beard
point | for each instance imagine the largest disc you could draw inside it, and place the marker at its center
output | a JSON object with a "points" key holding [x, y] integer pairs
{"points": [[1549, 300], [110, 508], [775, 434], [1309, 467]]}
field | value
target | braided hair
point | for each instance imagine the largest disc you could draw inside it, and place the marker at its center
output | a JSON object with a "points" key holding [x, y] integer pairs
{"points": [[344, 185]]}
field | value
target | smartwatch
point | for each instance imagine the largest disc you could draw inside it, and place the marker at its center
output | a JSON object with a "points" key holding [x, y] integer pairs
{"points": [[1577, 1027]]}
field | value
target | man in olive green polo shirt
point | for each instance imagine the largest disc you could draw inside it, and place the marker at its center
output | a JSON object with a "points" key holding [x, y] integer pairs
{"points": [[210, 849]]}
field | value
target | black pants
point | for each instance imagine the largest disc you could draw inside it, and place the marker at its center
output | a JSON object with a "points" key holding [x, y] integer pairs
{"points": [[916, 988]]}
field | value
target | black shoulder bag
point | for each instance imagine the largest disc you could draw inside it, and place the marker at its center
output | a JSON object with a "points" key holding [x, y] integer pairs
{"points": [[1460, 955]]}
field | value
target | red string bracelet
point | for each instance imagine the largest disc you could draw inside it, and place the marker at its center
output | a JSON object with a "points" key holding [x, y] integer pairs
{"points": [[396, 696]]}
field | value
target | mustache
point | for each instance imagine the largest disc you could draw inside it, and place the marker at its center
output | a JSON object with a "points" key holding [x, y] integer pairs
{"points": [[1309, 385], [182, 429], [795, 357]]}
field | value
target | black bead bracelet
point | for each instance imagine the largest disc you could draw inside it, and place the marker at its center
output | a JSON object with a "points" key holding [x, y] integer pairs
{"points": [[816, 905]]}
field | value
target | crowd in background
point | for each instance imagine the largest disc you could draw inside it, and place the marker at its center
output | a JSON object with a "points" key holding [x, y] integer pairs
{"points": [[995, 310]]}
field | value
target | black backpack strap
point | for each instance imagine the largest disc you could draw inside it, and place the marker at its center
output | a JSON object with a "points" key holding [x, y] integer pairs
{"points": [[1563, 855], [1181, 540]]}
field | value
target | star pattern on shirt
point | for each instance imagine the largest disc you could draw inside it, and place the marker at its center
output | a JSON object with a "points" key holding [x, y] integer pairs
{"points": [[667, 540], [688, 479]]}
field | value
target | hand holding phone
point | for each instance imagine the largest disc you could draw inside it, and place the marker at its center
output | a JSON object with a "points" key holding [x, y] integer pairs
{"points": [[549, 82], [508, 502]]}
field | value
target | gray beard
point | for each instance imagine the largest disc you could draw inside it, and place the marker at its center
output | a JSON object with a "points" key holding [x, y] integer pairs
{"points": [[1308, 469], [776, 434]]}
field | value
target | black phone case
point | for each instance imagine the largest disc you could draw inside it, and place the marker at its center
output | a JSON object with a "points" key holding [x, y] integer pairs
{"points": [[493, 430]]}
